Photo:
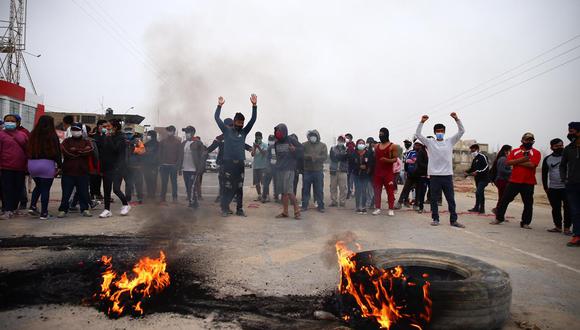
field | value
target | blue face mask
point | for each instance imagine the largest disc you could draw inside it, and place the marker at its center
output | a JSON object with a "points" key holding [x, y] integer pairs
{"points": [[440, 136], [9, 125], [129, 136]]}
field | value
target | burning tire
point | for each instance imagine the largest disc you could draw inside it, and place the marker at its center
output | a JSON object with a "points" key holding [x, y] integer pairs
{"points": [[466, 293]]}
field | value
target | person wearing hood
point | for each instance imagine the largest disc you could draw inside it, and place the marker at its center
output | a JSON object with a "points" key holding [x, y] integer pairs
{"points": [[151, 163], [440, 167], [570, 175], [350, 149], [555, 188], [419, 175], [169, 160], [480, 171], [76, 151], [338, 173], [286, 148], [192, 165], [13, 164], [235, 155], [525, 160], [363, 160], [270, 171], [315, 154], [113, 166], [386, 155]]}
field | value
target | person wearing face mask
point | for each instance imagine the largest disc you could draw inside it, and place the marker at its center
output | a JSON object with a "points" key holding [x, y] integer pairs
{"points": [[338, 173], [350, 149], [13, 165], [386, 154], [234, 155], [570, 175], [151, 163], [409, 159], [480, 171], [440, 167], [134, 175], [315, 154], [371, 145], [192, 164], [524, 160], [260, 154], [363, 160], [555, 188], [169, 159], [113, 166], [286, 149], [75, 171]]}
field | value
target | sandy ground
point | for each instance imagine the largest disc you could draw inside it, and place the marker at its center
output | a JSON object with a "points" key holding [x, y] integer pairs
{"points": [[267, 256]]}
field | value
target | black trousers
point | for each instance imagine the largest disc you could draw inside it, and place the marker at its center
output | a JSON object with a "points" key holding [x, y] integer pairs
{"points": [[95, 185], [134, 183], [409, 185], [526, 191], [558, 198], [233, 180], [150, 176], [112, 183]]}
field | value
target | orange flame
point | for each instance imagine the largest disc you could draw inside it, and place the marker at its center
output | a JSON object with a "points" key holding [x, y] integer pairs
{"points": [[375, 298], [150, 277]]}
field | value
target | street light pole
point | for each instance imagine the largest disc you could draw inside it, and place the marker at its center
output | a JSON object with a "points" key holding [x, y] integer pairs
{"points": [[129, 109]]}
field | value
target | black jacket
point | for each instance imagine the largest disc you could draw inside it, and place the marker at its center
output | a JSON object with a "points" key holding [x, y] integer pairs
{"points": [[480, 168], [366, 160], [151, 156], [421, 164], [113, 155], [570, 165]]}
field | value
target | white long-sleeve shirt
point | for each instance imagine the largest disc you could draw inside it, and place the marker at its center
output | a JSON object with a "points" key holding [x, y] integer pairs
{"points": [[440, 152]]}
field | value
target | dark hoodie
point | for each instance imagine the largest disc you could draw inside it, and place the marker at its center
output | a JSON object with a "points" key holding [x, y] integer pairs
{"points": [[113, 156], [315, 154], [286, 158], [234, 140], [151, 156]]}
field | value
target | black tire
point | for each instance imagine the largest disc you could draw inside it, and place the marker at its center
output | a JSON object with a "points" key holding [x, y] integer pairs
{"points": [[480, 298]]}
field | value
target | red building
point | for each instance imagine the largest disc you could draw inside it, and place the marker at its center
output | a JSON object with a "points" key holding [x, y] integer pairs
{"points": [[15, 100]]}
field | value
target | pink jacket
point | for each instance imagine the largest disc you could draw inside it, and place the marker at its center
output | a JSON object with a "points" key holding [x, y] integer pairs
{"points": [[13, 146]]}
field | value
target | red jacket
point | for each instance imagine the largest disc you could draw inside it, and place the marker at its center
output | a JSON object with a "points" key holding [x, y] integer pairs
{"points": [[13, 144]]}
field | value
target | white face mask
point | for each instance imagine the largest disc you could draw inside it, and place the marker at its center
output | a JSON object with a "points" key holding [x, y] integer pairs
{"points": [[313, 139], [76, 134], [361, 146], [270, 143], [188, 136], [475, 153], [341, 144]]}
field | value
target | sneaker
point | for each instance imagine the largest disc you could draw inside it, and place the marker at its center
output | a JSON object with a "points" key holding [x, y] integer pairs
{"points": [[241, 213], [73, 209], [457, 224], [357, 211], [391, 213], [435, 223], [525, 226], [45, 217], [86, 213], [33, 211], [230, 212], [105, 214], [125, 209], [377, 212], [496, 222], [225, 214], [420, 211], [7, 215], [473, 210], [415, 208], [555, 230], [61, 214], [398, 206], [575, 242], [364, 211], [94, 204]]}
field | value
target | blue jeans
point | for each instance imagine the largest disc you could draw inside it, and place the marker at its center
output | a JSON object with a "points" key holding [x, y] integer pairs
{"points": [[573, 192], [41, 189], [316, 180], [166, 172], [69, 183], [438, 184], [361, 187], [480, 195]]}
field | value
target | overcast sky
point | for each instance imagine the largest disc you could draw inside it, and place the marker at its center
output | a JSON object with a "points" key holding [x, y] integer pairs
{"points": [[336, 66]]}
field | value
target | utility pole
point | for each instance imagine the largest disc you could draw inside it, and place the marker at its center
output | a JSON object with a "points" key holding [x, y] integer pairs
{"points": [[13, 42]]}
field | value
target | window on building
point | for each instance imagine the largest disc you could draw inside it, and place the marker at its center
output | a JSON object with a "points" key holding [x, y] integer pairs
{"points": [[3, 108], [14, 107], [89, 119]]}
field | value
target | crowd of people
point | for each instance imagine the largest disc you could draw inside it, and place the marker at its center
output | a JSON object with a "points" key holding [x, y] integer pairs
{"points": [[110, 154]]}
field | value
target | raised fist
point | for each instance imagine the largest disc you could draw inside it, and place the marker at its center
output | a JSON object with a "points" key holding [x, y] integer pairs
{"points": [[221, 101], [254, 99], [424, 118], [454, 115]]}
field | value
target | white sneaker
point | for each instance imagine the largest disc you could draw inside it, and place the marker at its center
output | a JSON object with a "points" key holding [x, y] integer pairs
{"points": [[377, 212], [125, 209], [105, 214], [391, 213]]}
